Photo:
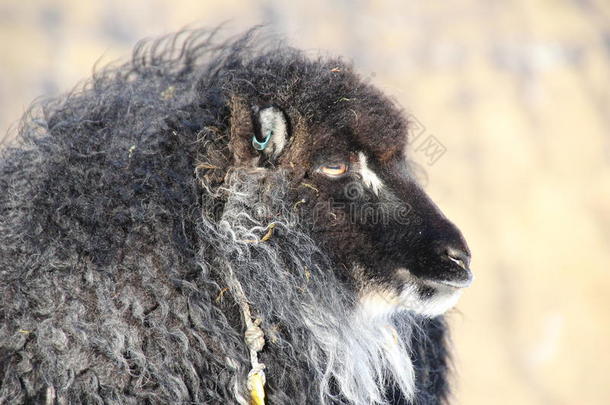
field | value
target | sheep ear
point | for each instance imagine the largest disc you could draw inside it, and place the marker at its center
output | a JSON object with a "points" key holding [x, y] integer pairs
{"points": [[271, 131]]}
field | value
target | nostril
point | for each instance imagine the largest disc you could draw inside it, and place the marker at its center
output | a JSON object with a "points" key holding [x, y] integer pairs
{"points": [[459, 256]]}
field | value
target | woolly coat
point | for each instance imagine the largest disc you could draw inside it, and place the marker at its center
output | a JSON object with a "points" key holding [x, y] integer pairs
{"points": [[116, 235]]}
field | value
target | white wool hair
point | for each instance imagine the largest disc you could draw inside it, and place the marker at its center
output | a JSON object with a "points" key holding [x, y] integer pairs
{"points": [[288, 281]]}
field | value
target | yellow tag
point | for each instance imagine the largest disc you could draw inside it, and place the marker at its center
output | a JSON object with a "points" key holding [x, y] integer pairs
{"points": [[257, 389]]}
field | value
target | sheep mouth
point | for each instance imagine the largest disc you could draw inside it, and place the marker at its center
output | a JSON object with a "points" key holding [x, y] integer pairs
{"points": [[460, 277], [449, 273]]}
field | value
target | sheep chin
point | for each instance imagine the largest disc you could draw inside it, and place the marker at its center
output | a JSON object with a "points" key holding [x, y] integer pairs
{"points": [[422, 297], [426, 297], [428, 300]]}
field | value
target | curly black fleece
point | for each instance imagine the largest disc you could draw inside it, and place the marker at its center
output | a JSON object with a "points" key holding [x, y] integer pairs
{"points": [[112, 245]]}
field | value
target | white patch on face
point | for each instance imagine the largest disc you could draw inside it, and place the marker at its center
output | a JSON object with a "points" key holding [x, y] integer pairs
{"points": [[272, 119], [384, 302], [369, 178]]}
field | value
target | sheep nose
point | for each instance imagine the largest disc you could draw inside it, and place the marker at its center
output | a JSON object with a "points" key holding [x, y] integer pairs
{"points": [[460, 256]]}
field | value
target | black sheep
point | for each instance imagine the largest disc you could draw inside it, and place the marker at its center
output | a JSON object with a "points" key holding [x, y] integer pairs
{"points": [[213, 211]]}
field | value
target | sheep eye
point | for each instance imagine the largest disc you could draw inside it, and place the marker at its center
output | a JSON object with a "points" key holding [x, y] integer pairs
{"points": [[334, 169]]}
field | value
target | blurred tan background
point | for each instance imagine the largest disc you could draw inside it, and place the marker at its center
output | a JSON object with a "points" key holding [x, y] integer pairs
{"points": [[517, 95]]}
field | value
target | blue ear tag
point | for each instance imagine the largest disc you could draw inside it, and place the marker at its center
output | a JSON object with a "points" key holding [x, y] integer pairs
{"points": [[262, 145]]}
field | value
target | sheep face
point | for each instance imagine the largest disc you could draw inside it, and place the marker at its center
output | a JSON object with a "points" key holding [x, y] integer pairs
{"points": [[342, 148]]}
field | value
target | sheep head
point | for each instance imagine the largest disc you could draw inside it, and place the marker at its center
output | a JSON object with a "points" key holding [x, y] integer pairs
{"points": [[341, 146]]}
